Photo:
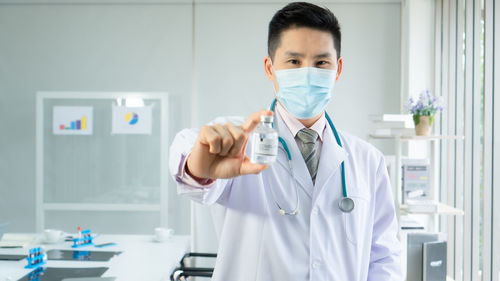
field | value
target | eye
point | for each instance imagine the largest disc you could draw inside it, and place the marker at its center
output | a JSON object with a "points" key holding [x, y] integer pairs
{"points": [[293, 61], [323, 63]]}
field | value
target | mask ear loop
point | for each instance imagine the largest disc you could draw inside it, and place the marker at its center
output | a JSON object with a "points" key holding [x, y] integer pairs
{"points": [[274, 86]]}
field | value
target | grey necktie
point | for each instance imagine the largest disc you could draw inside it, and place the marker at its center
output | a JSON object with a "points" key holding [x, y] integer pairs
{"points": [[308, 138]]}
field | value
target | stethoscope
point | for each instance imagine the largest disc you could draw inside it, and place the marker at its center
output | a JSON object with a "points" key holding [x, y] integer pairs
{"points": [[346, 204]]}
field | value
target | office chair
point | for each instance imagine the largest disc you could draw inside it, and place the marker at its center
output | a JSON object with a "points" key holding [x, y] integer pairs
{"points": [[183, 271]]}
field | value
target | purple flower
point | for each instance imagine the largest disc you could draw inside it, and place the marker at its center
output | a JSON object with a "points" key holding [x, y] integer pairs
{"points": [[426, 104]]}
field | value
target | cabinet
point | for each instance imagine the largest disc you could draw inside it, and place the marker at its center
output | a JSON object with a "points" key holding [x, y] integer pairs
{"points": [[396, 179]]}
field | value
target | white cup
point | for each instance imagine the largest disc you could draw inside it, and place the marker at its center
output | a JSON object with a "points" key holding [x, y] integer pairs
{"points": [[162, 234], [52, 235]]}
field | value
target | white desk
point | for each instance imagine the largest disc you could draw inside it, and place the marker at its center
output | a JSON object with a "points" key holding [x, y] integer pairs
{"points": [[141, 258]]}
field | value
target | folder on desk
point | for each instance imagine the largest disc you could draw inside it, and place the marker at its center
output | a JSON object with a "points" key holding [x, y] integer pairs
{"points": [[80, 255], [4, 257], [61, 273], [16, 240], [90, 279]]}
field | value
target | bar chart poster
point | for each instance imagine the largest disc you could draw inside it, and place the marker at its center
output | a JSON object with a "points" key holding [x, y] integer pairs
{"points": [[132, 120], [72, 120]]}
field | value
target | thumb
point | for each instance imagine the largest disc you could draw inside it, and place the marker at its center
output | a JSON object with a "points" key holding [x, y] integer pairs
{"points": [[248, 167], [254, 120]]}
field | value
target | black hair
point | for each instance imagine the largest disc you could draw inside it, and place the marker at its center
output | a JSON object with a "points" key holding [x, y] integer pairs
{"points": [[302, 14]]}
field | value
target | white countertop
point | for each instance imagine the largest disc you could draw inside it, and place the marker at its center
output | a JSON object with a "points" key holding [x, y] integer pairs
{"points": [[141, 259]]}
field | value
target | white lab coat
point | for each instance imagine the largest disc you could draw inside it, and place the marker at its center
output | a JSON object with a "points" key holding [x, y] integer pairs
{"points": [[321, 242]]}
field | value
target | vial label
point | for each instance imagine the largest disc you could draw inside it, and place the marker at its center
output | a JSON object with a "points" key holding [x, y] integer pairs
{"points": [[264, 149]]}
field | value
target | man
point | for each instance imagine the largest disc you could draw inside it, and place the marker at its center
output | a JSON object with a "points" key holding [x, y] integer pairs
{"points": [[322, 241]]}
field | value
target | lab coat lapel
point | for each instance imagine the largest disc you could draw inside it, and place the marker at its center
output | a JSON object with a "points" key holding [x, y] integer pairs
{"points": [[331, 157], [301, 173]]}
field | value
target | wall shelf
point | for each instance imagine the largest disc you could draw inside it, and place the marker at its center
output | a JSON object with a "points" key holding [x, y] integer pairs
{"points": [[415, 137], [101, 207], [448, 278], [403, 209], [442, 209]]}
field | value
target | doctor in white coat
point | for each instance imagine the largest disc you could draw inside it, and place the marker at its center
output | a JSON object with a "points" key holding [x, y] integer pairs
{"points": [[321, 241]]}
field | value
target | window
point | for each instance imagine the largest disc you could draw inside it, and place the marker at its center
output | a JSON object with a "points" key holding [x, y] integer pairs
{"points": [[466, 63]]}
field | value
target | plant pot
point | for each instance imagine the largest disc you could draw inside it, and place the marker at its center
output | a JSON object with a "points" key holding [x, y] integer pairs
{"points": [[423, 124]]}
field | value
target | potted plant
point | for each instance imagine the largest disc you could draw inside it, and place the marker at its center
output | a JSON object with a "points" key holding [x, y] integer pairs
{"points": [[423, 110]]}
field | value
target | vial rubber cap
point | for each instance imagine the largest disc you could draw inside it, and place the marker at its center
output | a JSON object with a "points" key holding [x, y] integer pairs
{"points": [[266, 118]]}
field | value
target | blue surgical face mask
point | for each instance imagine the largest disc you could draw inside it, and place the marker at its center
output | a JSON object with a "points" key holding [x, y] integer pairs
{"points": [[305, 92]]}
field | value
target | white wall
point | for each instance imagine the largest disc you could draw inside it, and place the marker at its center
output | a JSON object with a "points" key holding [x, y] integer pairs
{"points": [[418, 47], [208, 54], [418, 60]]}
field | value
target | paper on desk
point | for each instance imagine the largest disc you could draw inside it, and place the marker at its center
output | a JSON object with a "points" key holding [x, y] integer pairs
{"points": [[16, 240], [90, 279]]}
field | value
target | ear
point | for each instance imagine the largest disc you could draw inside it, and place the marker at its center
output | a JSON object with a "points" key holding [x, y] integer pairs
{"points": [[340, 62], [268, 67]]}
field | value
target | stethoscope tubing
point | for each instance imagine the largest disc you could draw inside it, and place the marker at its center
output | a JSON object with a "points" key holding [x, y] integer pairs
{"points": [[346, 204]]}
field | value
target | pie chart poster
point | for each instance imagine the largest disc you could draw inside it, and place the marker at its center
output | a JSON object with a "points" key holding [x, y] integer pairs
{"points": [[132, 120]]}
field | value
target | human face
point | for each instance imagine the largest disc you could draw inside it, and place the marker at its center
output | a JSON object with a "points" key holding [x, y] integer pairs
{"points": [[303, 47]]}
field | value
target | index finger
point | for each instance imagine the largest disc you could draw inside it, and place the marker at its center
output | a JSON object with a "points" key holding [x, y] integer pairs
{"points": [[254, 120]]}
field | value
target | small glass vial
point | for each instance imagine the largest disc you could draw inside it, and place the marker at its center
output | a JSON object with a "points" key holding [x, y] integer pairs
{"points": [[264, 142]]}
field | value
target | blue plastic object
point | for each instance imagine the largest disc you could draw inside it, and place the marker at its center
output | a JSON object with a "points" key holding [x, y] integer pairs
{"points": [[36, 258], [84, 238]]}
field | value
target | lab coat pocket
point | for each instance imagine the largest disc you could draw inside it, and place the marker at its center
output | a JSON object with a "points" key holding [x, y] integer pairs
{"points": [[355, 222]]}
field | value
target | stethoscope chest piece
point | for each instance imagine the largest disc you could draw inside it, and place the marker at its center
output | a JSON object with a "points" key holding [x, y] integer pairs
{"points": [[346, 205]]}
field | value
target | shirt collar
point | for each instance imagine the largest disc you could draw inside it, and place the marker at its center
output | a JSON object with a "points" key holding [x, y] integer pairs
{"points": [[294, 124]]}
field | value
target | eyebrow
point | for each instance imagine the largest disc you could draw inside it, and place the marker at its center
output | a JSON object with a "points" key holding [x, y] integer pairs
{"points": [[300, 55], [294, 54], [324, 55]]}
